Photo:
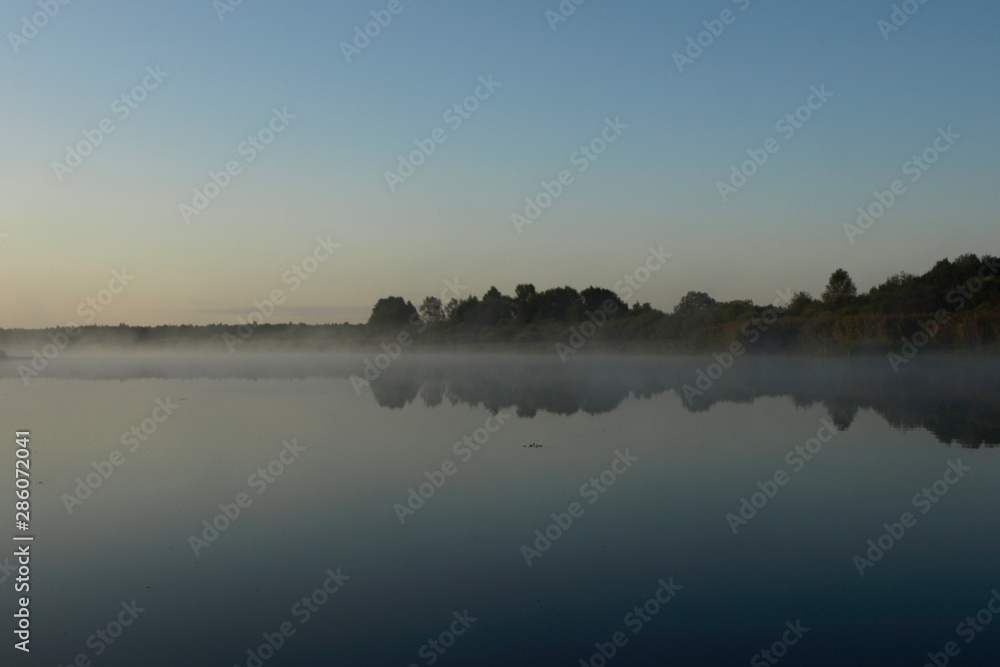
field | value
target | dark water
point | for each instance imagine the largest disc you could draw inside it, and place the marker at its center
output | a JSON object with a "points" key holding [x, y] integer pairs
{"points": [[666, 473]]}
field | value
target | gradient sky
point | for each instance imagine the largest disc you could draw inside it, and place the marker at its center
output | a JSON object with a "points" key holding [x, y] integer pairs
{"points": [[324, 175]]}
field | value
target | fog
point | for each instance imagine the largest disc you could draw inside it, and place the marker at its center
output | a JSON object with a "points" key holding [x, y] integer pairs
{"points": [[955, 399]]}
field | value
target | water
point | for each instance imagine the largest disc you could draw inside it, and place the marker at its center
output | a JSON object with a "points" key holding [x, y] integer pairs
{"points": [[354, 454]]}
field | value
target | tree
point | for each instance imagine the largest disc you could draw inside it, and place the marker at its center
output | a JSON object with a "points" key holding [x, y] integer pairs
{"points": [[967, 265], [903, 293], [559, 304], [594, 299], [451, 309], [524, 302], [691, 312], [524, 292], [730, 311], [840, 291], [799, 303], [431, 309], [495, 307], [466, 311], [391, 311], [693, 303]]}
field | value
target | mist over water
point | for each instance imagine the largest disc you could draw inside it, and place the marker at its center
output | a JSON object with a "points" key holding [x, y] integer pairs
{"points": [[426, 485], [956, 399]]}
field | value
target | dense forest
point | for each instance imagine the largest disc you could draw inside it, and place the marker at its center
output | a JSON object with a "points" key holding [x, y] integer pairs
{"points": [[954, 305]]}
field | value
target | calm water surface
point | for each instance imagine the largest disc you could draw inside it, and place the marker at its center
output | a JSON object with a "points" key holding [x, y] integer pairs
{"points": [[497, 445]]}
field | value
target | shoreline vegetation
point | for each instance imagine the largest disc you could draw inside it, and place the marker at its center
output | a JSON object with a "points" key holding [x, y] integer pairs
{"points": [[952, 308]]}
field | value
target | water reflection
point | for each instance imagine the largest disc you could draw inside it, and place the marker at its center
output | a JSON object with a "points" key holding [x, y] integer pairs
{"points": [[955, 399]]}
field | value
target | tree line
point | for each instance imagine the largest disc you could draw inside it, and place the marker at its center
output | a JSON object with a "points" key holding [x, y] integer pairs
{"points": [[962, 296], [966, 288]]}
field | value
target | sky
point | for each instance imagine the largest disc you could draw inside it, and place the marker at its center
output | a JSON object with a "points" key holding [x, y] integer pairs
{"points": [[207, 85]]}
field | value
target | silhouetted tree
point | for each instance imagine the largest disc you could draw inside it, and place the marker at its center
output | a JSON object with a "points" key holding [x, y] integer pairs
{"points": [[451, 309], [524, 299], [560, 304], [693, 303], [391, 311], [800, 302], [840, 290], [495, 307], [691, 312], [431, 309], [524, 292], [594, 299], [730, 311], [466, 311]]}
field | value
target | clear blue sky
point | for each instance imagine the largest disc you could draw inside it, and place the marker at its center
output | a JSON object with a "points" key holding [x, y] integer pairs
{"points": [[323, 175]]}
